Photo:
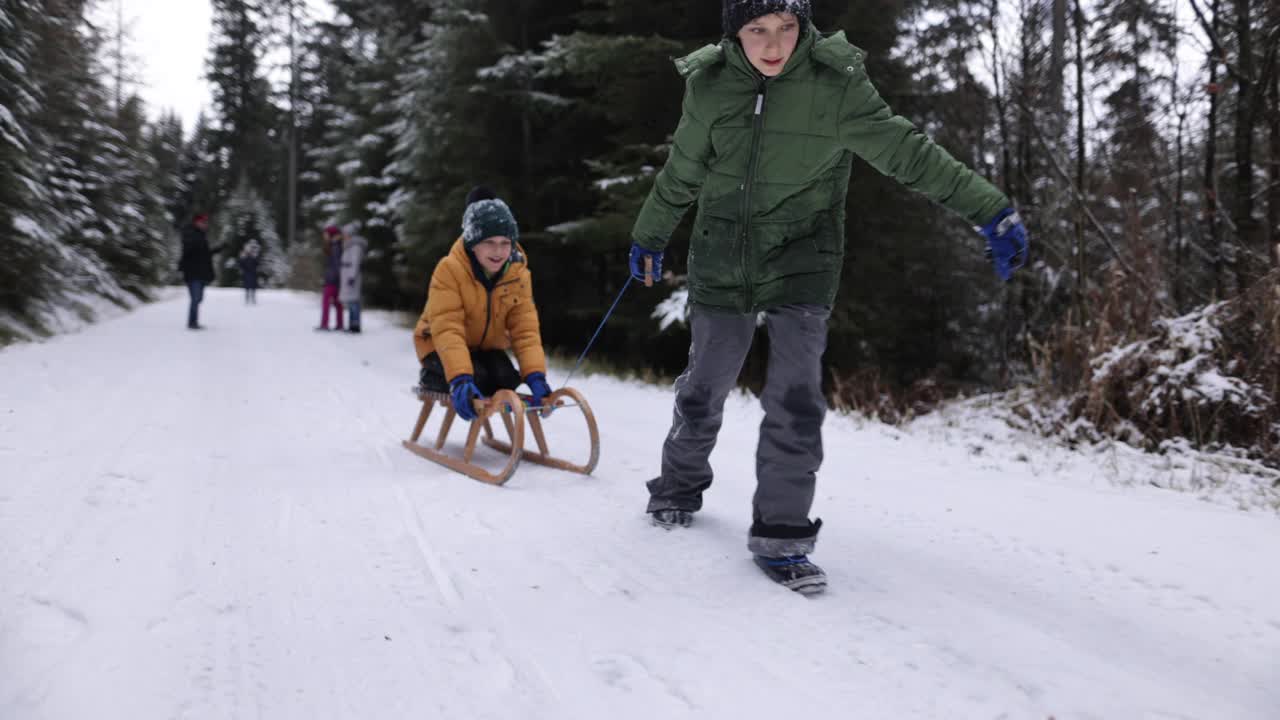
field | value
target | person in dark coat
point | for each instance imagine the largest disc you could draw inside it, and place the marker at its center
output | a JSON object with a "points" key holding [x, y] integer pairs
{"points": [[196, 265], [249, 271]]}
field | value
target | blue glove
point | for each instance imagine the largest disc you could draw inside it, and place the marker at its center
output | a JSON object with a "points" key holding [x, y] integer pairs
{"points": [[1006, 242], [538, 387], [461, 391], [638, 254]]}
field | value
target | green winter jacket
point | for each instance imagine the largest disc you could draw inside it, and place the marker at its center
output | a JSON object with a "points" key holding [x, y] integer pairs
{"points": [[768, 161]]}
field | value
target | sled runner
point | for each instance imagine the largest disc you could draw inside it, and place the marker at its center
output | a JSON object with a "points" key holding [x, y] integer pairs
{"points": [[516, 414]]}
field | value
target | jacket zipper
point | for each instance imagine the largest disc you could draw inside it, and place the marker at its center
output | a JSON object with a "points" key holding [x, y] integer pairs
{"points": [[757, 125], [488, 314], [488, 309]]}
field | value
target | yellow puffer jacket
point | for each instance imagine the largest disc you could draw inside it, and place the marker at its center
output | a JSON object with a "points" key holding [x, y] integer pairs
{"points": [[462, 315]]}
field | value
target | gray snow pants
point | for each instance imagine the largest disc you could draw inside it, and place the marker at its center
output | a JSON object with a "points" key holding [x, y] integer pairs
{"points": [[790, 444]]}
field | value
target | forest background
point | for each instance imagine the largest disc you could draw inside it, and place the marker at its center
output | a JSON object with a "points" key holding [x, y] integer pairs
{"points": [[1140, 140]]}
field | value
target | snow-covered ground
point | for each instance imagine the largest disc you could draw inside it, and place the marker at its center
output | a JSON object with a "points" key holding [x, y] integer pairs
{"points": [[223, 525]]}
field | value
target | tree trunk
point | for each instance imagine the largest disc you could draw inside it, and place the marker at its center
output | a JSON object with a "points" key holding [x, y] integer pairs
{"points": [[1178, 250], [1078, 17], [1211, 168], [1058, 56], [1180, 160], [1002, 116], [118, 59], [292, 182], [1027, 74], [1273, 174], [1246, 225]]}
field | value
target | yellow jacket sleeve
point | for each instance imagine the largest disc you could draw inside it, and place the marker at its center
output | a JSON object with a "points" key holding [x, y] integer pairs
{"points": [[447, 318], [525, 331]]}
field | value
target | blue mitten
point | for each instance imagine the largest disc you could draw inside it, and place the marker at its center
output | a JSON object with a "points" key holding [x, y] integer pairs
{"points": [[538, 387], [462, 390], [638, 254], [1007, 242]]}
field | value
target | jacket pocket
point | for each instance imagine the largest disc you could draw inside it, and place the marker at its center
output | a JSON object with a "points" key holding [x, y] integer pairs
{"points": [[828, 237], [798, 248], [506, 298], [714, 253]]}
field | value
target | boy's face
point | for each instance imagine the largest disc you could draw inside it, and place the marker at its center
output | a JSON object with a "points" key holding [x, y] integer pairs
{"points": [[492, 252], [769, 41]]}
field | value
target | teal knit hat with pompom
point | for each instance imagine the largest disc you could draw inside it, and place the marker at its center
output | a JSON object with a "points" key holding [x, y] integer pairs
{"points": [[485, 219]]}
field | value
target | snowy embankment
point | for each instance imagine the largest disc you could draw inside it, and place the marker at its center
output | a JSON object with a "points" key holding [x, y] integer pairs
{"points": [[222, 524]]}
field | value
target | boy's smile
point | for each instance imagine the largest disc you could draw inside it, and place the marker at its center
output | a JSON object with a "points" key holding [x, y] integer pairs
{"points": [[769, 41]]}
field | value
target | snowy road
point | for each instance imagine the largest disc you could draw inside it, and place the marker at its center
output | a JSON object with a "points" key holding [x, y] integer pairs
{"points": [[223, 525]]}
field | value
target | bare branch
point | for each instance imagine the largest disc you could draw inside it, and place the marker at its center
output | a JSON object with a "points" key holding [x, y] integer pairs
{"points": [[1093, 220], [1218, 51]]}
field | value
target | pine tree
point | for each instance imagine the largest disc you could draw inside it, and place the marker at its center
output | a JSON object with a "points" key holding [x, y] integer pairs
{"points": [[200, 174], [164, 144], [327, 64], [245, 115], [447, 139], [1129, 35], [372, 177], [29, 273], [582, 101], [140, 221], [246, 217], [82, 152]]}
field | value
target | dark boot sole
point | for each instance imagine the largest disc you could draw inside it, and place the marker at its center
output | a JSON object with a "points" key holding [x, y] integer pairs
{"points": [[805, 585], [682, 521], [810, 586]]}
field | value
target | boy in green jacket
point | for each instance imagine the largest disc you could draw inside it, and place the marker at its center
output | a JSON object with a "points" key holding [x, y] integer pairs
{"points": [[772, 118]]}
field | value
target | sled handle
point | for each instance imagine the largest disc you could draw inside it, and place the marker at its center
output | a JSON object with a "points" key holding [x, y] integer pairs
{"points": [[648, 271]]}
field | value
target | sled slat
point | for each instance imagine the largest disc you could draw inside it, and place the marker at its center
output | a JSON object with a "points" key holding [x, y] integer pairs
{"points": [[444, 427], [535, 424], [472, 433], [427, 406]]}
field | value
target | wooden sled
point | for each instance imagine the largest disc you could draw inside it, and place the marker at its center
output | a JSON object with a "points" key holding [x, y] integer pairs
{"points": [[515, 412]]}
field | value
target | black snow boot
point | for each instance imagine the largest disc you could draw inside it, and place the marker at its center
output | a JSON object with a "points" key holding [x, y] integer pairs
{"points": [[794, 572], [669, 518]]}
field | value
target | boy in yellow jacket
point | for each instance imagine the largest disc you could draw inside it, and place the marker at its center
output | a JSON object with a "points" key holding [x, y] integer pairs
{"points": [[479, 305]]}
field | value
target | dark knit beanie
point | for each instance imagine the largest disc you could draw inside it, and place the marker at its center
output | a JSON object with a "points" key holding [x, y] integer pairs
{"points": [[740, 12], [485, 219], [479, 192]]}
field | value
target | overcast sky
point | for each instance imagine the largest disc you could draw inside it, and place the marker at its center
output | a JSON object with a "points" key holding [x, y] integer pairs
{"points": [[170, 39]]}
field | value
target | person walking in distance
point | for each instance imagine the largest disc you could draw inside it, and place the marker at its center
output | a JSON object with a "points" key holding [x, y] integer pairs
{"points": [[332, 276], [249, 258], [196, 265]]}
